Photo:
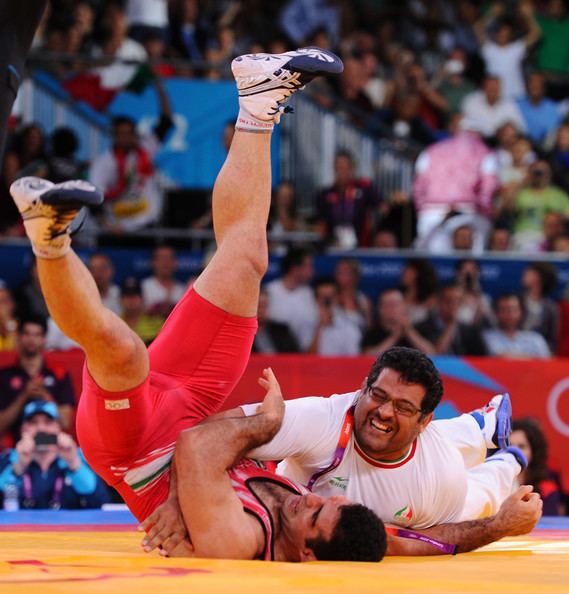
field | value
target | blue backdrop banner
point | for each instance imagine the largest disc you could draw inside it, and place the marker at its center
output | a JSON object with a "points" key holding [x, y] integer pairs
{"points": [[193, 152]]}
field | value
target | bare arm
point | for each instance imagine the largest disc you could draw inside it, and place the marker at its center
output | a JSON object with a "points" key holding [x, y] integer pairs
{"points": [[534, 31], [213, 514], [518, 514]]}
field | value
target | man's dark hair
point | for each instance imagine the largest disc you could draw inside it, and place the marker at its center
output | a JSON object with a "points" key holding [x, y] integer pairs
{"points": [[415, 368], [294, 257], [119, 120], [359, 535], [505, 296], [32, 319], [324, 281], [64, 142]]}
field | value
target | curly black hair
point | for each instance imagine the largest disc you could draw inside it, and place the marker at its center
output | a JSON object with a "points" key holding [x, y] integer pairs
{"points": [[537, 470], [415, 368], [359, 535]]}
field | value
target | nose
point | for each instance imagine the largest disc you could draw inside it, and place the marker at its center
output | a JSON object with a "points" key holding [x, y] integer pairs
{"points": [[312, 500], [340, 500], [387, 409]]}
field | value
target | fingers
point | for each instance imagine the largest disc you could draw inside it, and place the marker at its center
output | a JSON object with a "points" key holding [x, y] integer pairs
{"points": [[523, 491]]}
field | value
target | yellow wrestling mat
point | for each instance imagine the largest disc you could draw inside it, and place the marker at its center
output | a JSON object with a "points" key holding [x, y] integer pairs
{"points": [[74, 562]]}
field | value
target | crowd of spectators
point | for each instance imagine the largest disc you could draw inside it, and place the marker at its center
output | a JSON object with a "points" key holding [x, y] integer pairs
{"points": [[478, 90]]}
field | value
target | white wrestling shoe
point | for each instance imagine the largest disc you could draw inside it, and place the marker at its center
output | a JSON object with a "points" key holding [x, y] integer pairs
{"points": [[267, 81], [48, 210]]}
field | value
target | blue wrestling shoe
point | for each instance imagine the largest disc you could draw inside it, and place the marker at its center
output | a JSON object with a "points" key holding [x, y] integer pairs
{"points": [[518, 455], [48, 211], [265, 82], [495, 420]]}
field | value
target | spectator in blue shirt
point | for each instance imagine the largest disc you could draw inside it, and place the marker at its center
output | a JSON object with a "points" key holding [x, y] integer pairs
{"points": [[48, 467], [540, 114]]}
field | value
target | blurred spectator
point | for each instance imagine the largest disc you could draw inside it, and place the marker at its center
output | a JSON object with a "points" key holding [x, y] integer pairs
{"points": [[291, 300], [221, 52], [475, 307], [385, 239], [336, 333], [419, 284], [553, 51], [272, 337], [490, 110], [189, 30], [393, 327], [559, 158], [299, 19], [354, 304], [29, 298], [8, 322], [513, 174], [507, 340], [126, 172], [452, 83], [147, 16], [101, 268], [455, 175], [541, 115], [532, 202], [444, 329], [528, 436], [61, 163], [404, 120], [503, 56], [114, 44], [506, 137], [48, 467], [162, 291], [539, 280], [24, 155], [500, 240], [463, 238], [352, 87], [283, 217], [553, 227], [346, 210], [132, 311], [32, 378]]}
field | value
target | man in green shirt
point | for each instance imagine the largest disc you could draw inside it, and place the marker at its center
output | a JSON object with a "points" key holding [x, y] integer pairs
{"points": [[533, 202], [553, 51]]}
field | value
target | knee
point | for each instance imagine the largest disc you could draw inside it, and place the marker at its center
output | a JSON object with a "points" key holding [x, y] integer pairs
{"points": [[259, 259], [119, 346]]}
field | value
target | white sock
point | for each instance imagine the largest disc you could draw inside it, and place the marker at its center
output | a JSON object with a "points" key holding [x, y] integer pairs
{"points": [[249, 123], [50, 250]]}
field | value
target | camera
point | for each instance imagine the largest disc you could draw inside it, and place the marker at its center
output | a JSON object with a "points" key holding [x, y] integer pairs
{"points": [[43, 439]]}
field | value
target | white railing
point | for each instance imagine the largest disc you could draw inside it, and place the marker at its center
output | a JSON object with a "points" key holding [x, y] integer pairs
{"points": [[312, 136]]}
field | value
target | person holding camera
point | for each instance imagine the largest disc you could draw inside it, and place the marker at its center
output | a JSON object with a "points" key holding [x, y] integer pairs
{"points": [[47, 466], [336, 333], [531, 204]]}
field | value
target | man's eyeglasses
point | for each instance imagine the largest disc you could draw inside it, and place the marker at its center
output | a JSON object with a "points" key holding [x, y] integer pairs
{"points": [[401, 407]]}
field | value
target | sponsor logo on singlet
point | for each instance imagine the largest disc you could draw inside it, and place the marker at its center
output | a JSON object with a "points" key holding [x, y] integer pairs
{"points": [[405, 513], [340, 482]]}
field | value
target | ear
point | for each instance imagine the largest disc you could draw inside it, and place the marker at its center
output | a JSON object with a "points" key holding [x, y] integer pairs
{"points": [[307, 554], [364, 384], [425, 422]]}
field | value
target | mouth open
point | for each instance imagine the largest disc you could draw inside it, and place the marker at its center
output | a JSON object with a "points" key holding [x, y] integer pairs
{"points": [[381, 427]]}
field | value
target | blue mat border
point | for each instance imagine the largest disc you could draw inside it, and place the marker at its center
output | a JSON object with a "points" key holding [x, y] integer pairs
{"points": [[124, 517]]}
